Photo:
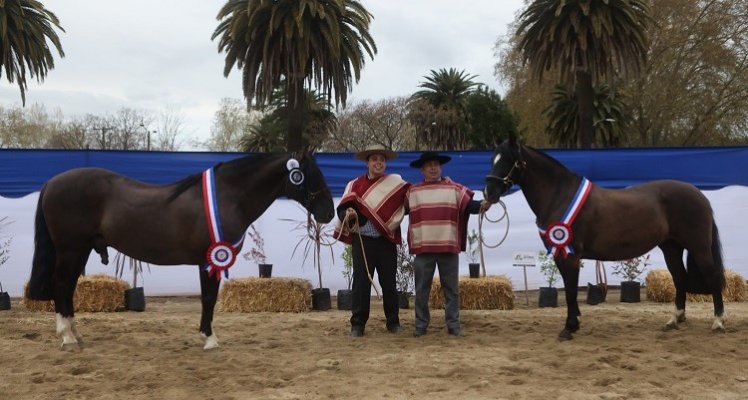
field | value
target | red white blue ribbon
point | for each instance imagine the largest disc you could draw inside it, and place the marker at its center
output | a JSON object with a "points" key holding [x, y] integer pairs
{"points": [[558, 235], [221, 254]]}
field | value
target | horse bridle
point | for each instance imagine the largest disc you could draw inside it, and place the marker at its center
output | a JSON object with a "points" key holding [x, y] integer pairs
{"points": [[507, 180]]}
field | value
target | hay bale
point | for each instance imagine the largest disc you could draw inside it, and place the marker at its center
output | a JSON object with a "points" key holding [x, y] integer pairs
{"points": [[660, 288], [488, 293], [94, 293], [265, 294]]}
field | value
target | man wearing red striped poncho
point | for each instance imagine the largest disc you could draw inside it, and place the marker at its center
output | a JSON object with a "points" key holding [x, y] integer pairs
{"points": [[373, 207], [438, 212]]}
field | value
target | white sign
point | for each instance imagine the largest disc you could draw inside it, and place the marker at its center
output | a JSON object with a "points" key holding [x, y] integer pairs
{"points": [[523, 259]]}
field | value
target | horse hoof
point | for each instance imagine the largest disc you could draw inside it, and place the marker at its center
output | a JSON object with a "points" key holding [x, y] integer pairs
{"points": [[670, 326], [565, 335], [71, 347], [718, 327]]}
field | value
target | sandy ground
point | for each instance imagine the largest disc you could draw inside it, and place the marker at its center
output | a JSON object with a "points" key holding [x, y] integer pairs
{"points": [[620, 353]]}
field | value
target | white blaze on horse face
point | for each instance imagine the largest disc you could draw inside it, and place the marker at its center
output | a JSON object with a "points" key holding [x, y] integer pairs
{"points": [[496, 159], [64, 328]]}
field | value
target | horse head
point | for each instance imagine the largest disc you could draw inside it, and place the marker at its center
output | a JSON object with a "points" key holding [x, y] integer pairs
{"points": [[307, 185], [506, 169]]}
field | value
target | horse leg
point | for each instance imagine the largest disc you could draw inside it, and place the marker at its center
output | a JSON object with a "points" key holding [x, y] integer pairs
{"points": [[714, 282], [67, 270], [569, 269], [673, 254], [208, 294]]}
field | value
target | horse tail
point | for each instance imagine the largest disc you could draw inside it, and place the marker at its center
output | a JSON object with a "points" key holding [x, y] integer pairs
{"points": [[41, 283], [696, 281]]}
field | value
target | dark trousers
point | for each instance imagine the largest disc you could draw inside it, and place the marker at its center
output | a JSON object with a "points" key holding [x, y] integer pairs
{"points": [[381, 255], [425, 265]]}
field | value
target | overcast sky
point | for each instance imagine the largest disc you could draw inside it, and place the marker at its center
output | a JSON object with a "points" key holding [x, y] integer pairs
{"points": [[157, 54]]}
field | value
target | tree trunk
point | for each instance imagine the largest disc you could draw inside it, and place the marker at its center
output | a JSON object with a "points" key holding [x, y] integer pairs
{"points": [[294, 137], [585, 103]]}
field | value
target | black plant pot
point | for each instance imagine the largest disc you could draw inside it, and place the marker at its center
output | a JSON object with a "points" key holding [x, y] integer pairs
{"points": [[630, 292], [595, 294], [266, 270], [548, 297], [403, 299], [474, 270], [321, 299], [4, 301], [345, 299], [135, 299]]}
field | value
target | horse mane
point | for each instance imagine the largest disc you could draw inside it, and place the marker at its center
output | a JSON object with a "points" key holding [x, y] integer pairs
{"points": [[548, 158], [241, 165]]}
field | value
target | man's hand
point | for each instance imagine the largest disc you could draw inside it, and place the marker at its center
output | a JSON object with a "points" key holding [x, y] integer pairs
{"points": [[351, 217], [484, 205]]}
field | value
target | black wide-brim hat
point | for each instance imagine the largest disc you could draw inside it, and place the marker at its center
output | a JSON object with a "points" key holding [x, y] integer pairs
{"points": [[428, 156]]}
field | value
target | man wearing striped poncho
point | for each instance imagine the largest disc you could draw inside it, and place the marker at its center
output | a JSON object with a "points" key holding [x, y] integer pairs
{"points": [[439, 211], [372, 208]]}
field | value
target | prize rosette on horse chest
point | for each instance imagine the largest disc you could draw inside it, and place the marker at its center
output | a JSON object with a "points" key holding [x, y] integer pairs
{"points": [[221, 256], [559, 236]]}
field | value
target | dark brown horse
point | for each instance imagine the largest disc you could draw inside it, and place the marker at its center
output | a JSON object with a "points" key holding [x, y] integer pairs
{"points": [[89, 209], [615, 225]]}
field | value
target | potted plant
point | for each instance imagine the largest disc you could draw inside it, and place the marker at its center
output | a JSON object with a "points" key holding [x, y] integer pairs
{"points": [[472, 254], [345, 296], [4, 256], [257, 253], [630, 270], [314, 237], [597, 293], [548, 295], [135, 295], [405, 275]]}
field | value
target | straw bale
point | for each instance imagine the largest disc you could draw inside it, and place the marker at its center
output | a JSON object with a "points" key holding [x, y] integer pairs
{"points": [[488, 293], [660, 288], [94, 293], [265, 294]]}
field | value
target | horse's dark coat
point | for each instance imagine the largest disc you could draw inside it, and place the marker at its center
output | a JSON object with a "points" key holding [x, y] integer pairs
{"points": [[617, 224], [90, 209]]}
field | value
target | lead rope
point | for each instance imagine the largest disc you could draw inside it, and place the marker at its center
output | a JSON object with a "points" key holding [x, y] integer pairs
{"points": [[483, 215], [363, 251]]}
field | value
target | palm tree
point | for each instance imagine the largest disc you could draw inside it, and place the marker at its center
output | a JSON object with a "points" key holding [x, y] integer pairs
{"points": [[609, 120], [585, 41], [25, 26], [320, 44], [439, 109], [270, 133]]}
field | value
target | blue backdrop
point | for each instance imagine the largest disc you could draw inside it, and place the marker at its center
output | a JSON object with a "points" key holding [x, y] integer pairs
{"points": [[25, 171]]}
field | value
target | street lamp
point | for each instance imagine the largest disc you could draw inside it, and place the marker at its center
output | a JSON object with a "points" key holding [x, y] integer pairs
{"points": [[148, 136]]}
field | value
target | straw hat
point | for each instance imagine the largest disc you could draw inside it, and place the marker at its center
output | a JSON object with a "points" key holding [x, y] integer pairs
{"points": [[428, 156], [375, 149]]}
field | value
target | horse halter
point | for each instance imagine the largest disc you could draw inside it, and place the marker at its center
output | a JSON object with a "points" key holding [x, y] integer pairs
{"points": [[507, 180], [297, 177]]}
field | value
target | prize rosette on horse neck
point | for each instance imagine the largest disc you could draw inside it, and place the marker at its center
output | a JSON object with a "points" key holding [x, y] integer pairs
{"points": [[558, 235], [221, 254]]}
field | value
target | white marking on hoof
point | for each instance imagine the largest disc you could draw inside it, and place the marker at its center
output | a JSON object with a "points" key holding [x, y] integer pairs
{"points": [[719, 324], [211, 342], [678, 316], [64, 329]]}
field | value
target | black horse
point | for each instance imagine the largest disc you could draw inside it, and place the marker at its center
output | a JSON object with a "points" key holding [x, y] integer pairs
{"points": [[90, 208], [615, 225]]}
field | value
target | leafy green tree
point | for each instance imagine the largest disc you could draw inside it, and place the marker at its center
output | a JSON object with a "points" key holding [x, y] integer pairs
{"points": [[319, 44], [439, 110], [489, 119], [585, 41], [25, 29], [270, 134], [609, 118]]}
